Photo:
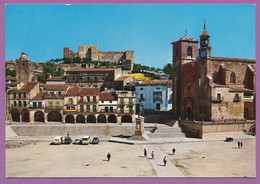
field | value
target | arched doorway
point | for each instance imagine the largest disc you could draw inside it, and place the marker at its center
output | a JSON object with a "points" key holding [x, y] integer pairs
{"points": [[112, 118], [126, 119], [69, 119], [91, 119], [39, 116], [80, 119], [101, 118], [25, 115], [16, 115], [189, 113], [54, 116]]}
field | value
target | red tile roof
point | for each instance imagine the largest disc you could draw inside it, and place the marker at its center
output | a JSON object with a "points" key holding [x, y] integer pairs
{"points": [[76, 69], [78, 91], [155, 82], [28, 86], [56, 78], [232, 59], [122, 78], [62, 87], [240, 89], [39, 96], [107, 97]]}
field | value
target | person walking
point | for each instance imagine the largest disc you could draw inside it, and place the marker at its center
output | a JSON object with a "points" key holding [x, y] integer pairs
{"points": [[238, 144], [164, 161], [68, 134], [145, 152], [241, 144], [173, 151], [152, 154], [108, 156]]}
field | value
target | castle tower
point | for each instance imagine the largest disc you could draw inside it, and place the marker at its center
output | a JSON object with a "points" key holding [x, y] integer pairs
{"points": [[184, 50], [23, 69]]}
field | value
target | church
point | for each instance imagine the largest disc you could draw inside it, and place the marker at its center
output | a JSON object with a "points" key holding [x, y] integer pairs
{"points": [[209, 88]]}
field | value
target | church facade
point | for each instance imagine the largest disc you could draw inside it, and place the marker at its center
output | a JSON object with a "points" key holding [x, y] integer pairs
{"points": [[211, 88]]}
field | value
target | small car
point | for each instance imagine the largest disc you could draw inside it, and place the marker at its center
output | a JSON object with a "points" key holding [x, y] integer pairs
{"points": [[85, 140], [67, 140], [57, 140], [77, 141], [95, 140], [229, 139]]}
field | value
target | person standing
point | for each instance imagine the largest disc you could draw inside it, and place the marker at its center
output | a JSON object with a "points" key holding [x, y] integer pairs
{"points": [[173, 151], [238, 144], [108, 156], [164, 161], [68, 134], [145, 152], [152, 154], [241, 144]]}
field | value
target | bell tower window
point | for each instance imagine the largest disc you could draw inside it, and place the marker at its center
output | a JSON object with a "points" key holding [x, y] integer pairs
{"points": [[189, 51], [233, 78]]}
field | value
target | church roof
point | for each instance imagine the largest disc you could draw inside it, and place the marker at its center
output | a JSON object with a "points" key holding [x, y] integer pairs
{"points": [[232, 59]]}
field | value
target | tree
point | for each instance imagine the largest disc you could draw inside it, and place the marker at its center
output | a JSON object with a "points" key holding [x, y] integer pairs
{"points": [[167, 69], [50, 68]]}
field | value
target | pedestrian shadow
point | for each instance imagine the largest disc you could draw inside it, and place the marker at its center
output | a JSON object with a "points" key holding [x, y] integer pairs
{"points": [[105, 160], [170, 154], [141, 156], [150, 158], [235, 148], [160, 165]]}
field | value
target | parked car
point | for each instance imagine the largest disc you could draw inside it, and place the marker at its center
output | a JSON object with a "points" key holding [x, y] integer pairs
{"points": [[95, 140], [85, 140], [229, 139], [77, 141], [58, 140], [67, 140]]}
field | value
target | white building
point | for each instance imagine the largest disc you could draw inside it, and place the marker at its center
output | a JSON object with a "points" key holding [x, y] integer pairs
{"points": [[155, 95]]}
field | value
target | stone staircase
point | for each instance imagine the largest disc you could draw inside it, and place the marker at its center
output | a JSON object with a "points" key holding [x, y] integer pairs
{"points": [[166, 132], [75, 130]]}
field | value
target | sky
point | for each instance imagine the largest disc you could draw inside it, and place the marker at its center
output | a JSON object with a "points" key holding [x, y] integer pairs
{"points": [[42, 31]]}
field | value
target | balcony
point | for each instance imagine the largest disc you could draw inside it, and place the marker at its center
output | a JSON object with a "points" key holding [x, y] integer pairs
{"points": [[217, 100], [53, 96], [237, 99], [104, 111]]}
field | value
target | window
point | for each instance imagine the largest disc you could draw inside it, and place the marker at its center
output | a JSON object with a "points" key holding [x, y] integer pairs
{"points": [[88, 108], [233, 78], [94, 99], [88, 99], [122, 101], [102, 101], [130, 109], [68, 107], [50, 105], [24, 95], [106, 109], [34, 104], [218, 96], [110, 101], [94, 108], [95, 78], [59, 93], [130, 101], [20, 104], [52, 93], [142, 97], [88, 78], [81, 99], [57, 105], [14, 95], [39, 104], [157, 96], [70, 101], [189, 51], [14, 103], [122, 109], [24, 103], [81, 108], [141, 88], [111, 109], [20, 95]]}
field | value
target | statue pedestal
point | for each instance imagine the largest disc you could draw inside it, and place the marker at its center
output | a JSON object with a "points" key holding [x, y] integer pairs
{"points": [[139, 131]]}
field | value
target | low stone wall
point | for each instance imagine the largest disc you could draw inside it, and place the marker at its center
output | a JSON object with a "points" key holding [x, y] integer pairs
{"points": [[198, 128]]}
